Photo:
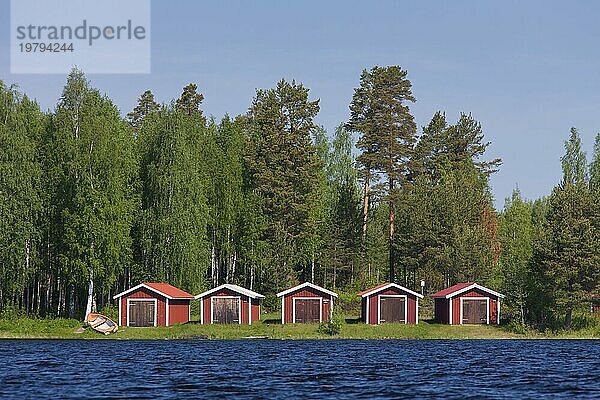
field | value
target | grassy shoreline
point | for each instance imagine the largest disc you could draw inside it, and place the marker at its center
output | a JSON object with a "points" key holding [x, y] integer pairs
{"points": [[25, 328]]}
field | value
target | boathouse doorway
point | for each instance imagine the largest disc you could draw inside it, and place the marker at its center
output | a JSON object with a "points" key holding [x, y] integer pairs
{"points": [[307, 311], [226, 310], [475, 311], [392, 309], [142, 312]]}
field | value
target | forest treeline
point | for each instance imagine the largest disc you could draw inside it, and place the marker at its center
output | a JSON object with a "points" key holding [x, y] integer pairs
{"points": [[92, 202]]}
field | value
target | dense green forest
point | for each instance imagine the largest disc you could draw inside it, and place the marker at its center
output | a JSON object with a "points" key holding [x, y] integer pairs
{"points": [[92, 202]]}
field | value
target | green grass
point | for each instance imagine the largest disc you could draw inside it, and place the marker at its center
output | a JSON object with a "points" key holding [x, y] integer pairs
{"points": [[38, 328], [270, 328]]}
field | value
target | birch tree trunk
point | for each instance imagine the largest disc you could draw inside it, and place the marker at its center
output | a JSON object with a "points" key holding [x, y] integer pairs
{"points": [[90, 296], [312, 268], [213, 260], [59, 298]]}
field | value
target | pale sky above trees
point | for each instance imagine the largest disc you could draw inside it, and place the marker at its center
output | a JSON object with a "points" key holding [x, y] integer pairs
{"points": [[527, 70]]}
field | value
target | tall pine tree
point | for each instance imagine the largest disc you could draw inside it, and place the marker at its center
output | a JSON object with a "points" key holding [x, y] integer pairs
{"points": [[284, 171], [145, 106], [380, 113]]}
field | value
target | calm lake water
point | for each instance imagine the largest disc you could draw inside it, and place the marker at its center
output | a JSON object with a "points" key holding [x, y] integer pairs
{"points": [[265, 369]]}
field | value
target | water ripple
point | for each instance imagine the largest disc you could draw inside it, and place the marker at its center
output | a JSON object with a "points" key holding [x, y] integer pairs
{"points": [[263, 369]]}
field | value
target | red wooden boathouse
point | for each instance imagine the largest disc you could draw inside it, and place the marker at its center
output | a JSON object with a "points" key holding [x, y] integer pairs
{"points": [[153, 304], [229, 304], [306, 303], [389, 302], [467, 303]]}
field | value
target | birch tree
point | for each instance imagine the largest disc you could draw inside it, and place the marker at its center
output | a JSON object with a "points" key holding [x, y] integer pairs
{"points": [[97, 171]]}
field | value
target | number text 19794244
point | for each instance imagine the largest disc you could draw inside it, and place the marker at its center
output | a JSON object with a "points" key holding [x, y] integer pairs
{"points": [[35, 47]]}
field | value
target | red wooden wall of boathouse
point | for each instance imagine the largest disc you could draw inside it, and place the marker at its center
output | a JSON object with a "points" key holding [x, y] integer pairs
{"points": [[373, 312], [254, 308], [493, 308], [179, 309], [288, 303], [442, 312], [144, 293]]}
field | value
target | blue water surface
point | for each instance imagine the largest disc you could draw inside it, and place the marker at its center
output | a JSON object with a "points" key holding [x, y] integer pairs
{"points": [[317, 369]]}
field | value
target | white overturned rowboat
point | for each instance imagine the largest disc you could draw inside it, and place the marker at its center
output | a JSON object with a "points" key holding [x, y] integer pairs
{"points": [[101, 323]]}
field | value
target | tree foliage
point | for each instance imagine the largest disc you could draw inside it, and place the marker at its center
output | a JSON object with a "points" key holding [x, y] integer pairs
{"points": [[567, 251], [379, 112], [173, 244], [516, 233], [92, 202], [284, 171]]}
